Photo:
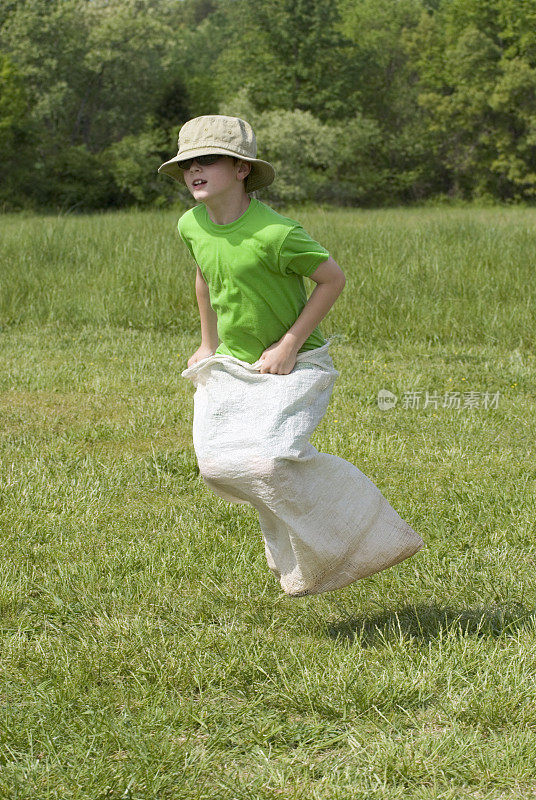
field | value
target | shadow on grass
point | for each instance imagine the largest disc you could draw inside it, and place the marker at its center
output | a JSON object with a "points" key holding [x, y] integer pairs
{"points": [[427, 623]]}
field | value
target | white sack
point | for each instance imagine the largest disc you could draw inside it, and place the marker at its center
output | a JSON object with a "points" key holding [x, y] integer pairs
{"points": [[325, 524]]}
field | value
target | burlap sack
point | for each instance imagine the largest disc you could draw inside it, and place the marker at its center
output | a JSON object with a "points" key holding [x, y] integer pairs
{"points": [[324, 523]]}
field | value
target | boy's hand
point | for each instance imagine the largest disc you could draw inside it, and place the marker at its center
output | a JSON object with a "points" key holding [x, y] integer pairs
{"points": [[202, 352], [279, 358]]}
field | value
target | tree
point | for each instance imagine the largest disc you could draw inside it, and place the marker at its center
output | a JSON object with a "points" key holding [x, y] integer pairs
{"points": [[93, 73], [386, 90], [15, 133], [289, 53], [476, 61]]}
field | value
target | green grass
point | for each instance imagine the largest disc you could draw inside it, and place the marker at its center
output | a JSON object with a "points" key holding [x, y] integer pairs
{"points": [[413, 275], [147, 652]]}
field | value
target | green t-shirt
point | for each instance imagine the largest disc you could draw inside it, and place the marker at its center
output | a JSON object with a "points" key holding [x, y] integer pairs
{"points": [[254, 270]]}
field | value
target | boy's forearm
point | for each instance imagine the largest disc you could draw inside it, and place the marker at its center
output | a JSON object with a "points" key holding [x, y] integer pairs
{"points": [[209, 321], [313, 312]]}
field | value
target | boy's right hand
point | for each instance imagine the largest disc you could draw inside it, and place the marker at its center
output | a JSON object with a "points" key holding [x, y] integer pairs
{"points": [[202, 352]]}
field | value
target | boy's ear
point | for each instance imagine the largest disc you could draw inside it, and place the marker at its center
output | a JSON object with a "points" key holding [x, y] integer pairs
{"points": [[244, 168]]}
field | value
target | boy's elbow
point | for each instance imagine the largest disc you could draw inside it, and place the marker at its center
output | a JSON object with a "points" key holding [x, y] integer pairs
{"points": [[337, 283], [341, 281], [338, 275], [329, 273]]}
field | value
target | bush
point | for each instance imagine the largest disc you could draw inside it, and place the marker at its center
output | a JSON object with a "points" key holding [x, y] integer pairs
{"points": [[316, 161], [133, 163]]}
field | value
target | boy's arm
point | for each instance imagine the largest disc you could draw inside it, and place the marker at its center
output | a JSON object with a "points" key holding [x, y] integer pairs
{"points": [[209, 320], [280, 357]]}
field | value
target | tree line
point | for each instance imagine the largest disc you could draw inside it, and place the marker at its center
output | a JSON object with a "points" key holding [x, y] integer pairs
{"points": [[355, 102]]}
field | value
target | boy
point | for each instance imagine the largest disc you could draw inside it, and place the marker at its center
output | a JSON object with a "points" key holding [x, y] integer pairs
{"points": [[222, 187], [263, 389]]}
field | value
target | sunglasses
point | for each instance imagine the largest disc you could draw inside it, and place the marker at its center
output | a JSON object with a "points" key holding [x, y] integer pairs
{"points": [[203, 161]]}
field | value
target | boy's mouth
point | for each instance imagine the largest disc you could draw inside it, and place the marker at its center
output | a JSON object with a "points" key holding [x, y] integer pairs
{"points": [[198, 182]]}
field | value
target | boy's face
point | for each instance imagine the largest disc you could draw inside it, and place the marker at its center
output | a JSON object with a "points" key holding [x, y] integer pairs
{"points": [[224, 177]]}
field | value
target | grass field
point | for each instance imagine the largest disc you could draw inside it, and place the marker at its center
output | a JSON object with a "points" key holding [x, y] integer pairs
{"points": [[147, 652]]}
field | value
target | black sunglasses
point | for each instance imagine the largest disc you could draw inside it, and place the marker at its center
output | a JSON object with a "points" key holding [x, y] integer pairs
{"points": [[203, 161]]}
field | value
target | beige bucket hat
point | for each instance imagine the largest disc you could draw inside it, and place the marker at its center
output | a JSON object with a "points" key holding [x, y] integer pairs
{"points": [[229, 136]]}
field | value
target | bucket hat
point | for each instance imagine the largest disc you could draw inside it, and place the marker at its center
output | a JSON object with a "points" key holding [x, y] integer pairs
{"points": [[229, 136]]}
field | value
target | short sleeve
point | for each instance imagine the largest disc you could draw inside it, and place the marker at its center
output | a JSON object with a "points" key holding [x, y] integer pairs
{"points": [[300, 254]]}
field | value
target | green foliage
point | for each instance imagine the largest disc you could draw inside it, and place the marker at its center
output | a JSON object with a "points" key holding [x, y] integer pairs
{"points": [[15, 134], [133, 163], [108, 83], [75, 179], [514, 101], [334, 163], [418, 98], [128, 53], [301, 148], [476, 64], [291, 55], [384, 86], [12, 103]]}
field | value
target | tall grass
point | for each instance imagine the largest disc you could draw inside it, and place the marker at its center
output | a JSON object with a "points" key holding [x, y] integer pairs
{"points": [[434, 275]]}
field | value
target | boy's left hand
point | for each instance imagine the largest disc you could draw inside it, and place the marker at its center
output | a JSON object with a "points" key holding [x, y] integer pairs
{"points": [[279, 358]]}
